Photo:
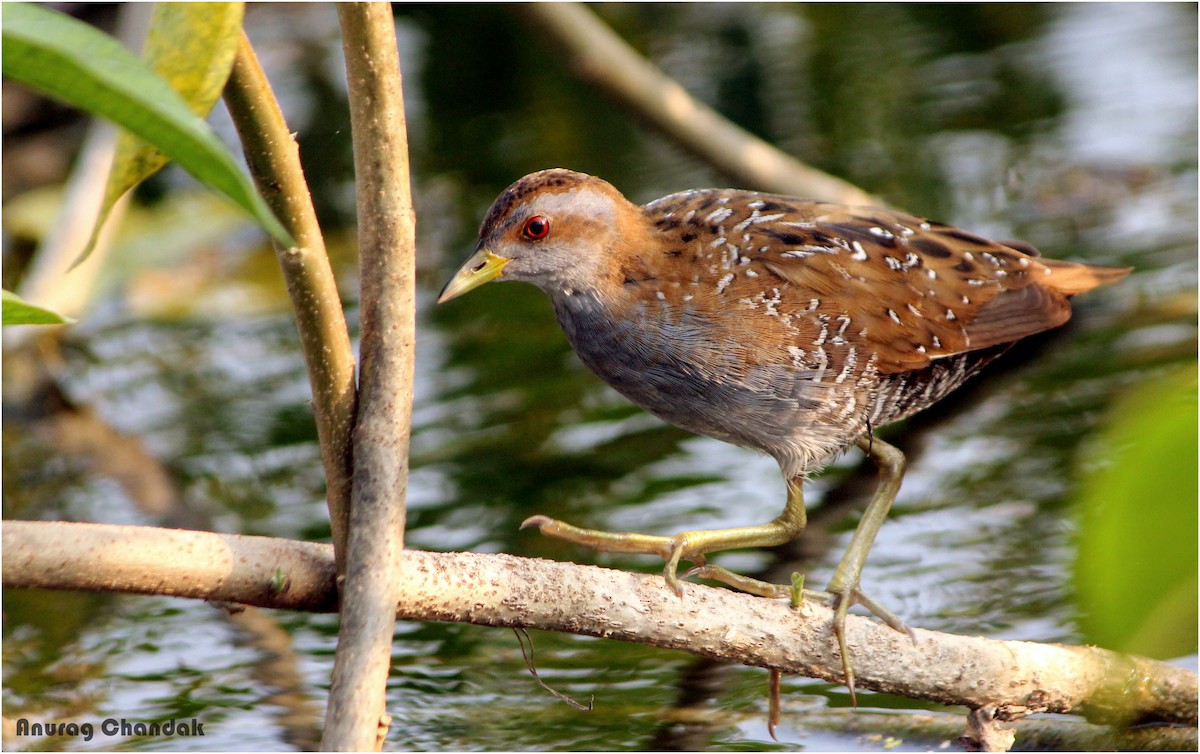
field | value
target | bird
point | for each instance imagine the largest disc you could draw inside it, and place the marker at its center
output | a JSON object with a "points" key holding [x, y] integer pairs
{"points": [[788, 326]]}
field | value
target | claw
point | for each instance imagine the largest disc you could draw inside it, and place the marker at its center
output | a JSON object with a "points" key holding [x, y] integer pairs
{"points": [[672, 581], [773, 696], [672, 567], [538, 521], [841, 604]]}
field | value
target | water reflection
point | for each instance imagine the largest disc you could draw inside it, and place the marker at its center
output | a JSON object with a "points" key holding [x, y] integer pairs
{"points": [[1072, 126]]}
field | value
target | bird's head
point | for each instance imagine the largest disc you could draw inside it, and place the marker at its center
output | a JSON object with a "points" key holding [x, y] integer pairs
{"points": [[555, 228]]}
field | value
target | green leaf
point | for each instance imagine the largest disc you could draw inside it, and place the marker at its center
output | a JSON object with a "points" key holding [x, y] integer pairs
{"points": [[18, 311], [1136, 562], [70, 60], [192, 46]]}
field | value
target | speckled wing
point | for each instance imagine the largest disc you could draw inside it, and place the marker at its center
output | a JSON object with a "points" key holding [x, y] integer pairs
{"points": [[907, 290]]}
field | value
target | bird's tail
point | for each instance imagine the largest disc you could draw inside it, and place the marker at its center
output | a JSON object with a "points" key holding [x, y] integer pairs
{"points": [[1072, 277]]}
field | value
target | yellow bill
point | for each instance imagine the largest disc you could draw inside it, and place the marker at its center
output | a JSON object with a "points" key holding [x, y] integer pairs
{"points": [[482, 267]]}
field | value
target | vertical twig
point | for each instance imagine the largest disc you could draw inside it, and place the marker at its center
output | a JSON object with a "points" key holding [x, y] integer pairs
{"points": [[355, 719], [274, 160]]}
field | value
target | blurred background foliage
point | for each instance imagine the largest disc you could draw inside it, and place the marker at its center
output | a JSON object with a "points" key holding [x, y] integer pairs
{"points": [[1054, 499], [1135, 571]]}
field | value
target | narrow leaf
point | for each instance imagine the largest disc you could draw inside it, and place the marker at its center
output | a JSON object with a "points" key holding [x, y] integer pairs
{"points": [[18, 311], [72, 61], [191, 45]]}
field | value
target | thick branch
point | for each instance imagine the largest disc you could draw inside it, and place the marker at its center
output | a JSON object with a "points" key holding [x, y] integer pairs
{"points": [[600, 57], [386, 240], [502, 590], [274, 160]]}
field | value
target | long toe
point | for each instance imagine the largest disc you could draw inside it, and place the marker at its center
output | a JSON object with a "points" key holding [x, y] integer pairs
{"points": [[842, 600], [841, 604], [881, 612], [671, 568], [742, 583], [603, 541]]}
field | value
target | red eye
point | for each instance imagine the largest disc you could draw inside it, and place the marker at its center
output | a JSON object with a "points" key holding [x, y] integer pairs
{"points": [[536, 227]]}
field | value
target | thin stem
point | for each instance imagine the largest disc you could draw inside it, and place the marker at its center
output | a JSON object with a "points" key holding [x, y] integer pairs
{"points": [[274, 160], [355, 718]]}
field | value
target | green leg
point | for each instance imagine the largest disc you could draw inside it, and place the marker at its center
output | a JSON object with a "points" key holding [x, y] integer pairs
{"points": [[844, 586], [692, 545], [843, 590]]}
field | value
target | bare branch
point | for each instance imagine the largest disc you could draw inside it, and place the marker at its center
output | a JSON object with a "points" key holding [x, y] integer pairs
{"points": [[1016, 677], [274, 160], [602, 58], [355, 718], [170, 562]]}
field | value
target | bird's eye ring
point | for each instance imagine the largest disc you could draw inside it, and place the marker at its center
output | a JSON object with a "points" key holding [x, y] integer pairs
{"points": [[536, 227]]}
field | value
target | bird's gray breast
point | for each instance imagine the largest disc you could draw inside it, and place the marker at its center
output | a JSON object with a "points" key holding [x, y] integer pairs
{"points": [[671, 363]]}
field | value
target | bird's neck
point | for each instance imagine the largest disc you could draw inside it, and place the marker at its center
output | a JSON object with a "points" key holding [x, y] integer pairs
{"points": [[581, 308], [594, 321]]}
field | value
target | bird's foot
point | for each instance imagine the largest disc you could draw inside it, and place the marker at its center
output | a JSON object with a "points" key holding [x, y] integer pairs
{"points": [[671, 549], [752, 585], [841, 600], [692, 546]]}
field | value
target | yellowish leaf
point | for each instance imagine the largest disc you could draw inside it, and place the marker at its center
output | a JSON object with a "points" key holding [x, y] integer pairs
{"points": [[191, 45]]}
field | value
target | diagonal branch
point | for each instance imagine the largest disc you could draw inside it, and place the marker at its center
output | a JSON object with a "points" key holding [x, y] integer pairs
{"points": [[597, 55], [274, 160]]}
